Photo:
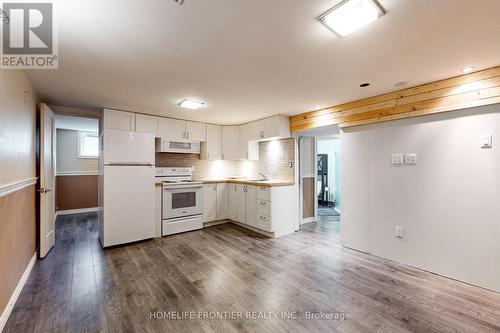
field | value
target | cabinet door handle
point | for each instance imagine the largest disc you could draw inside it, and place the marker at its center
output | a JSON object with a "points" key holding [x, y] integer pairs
{"points": [[246, 156], [222, 155]]}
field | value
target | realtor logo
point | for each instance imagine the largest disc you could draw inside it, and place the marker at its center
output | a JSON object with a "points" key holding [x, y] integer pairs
{"points": [[28, 35]]}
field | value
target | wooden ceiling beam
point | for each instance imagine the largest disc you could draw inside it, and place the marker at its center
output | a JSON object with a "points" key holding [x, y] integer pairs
{"points": [[457, 93]]}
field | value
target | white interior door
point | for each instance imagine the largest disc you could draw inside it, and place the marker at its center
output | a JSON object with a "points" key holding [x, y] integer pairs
{"points": [[47, 179]]}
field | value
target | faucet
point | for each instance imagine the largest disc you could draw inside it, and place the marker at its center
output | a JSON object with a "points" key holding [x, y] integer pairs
{"points": [[263, 175]]}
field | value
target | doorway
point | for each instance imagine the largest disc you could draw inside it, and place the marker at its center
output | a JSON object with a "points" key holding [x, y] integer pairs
{"points": [[68, 171], [328, 177], [320, 176]]}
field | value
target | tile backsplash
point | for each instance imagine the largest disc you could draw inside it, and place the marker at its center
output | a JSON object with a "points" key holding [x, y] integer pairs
{"points": [[274, 159]]}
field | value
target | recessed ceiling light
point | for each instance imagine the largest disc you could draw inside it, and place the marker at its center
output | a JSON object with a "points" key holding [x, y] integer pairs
{"points": [[189, 104], [467, 69], [366, 84], [351, 15]]}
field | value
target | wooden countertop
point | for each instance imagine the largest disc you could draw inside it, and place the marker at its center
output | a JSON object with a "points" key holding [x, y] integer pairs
{"points": [[271, 183]]}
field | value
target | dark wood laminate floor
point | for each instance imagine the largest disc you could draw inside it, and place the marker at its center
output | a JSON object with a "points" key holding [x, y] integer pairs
{"points": [[81, 288]]}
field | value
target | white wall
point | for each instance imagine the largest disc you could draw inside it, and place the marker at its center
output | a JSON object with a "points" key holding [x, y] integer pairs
{"points": [[67, 155], [449, 203]]}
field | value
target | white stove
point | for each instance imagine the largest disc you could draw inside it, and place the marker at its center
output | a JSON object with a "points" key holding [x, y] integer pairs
{"points": [[182, 208], [170, 175]]}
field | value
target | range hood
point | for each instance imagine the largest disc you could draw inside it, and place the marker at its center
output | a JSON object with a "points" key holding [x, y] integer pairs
{"points": [[166, 146]]}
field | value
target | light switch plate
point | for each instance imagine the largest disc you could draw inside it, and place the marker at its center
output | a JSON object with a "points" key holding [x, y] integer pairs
{"points": [[410, 159], [400, 232], [397, 159], [486, 140]]}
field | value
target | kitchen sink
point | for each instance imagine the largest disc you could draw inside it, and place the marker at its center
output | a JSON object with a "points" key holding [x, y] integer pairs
{"points": [[259, 180]]}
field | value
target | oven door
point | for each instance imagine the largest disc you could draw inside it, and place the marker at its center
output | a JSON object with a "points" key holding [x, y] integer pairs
{"points": [[179, 201]]}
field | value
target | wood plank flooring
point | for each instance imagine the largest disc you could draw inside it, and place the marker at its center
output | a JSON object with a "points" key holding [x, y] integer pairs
{"points": [[229, 271]]}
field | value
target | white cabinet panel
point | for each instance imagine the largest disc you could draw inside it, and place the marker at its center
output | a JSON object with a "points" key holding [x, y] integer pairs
{"points": [[250, 204], [172, 129], [209, 202], [230, 143], [211, 149], [222, 201], [195, 131], [240, 204], [254, 130], [233, 205], [147, 124], [119, 120], [276, 127], [249, 150]]}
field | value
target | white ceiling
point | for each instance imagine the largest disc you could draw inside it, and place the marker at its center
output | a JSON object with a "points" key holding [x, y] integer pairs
{"points": [[76, 123], [248, 59]]}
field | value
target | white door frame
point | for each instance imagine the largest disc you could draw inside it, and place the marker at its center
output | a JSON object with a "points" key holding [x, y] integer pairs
{"points": [[47, 181]]}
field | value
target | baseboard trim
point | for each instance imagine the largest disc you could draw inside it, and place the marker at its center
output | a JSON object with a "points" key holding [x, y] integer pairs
{"points": [[308, 220], [16, 186], [77, 211], [13, 299], [213, 223]]}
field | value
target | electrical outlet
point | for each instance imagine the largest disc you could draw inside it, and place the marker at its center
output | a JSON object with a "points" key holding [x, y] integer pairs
{"points": [[410, 158], [400, 232], [397, 159]]}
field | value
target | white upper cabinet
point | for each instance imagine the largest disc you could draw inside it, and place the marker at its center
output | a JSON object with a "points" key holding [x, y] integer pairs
{"points": [[195, 131], [147, 124], [249, 150], [119, 120], [276, 127], [230, 144], [172, 129], [211, 149]]}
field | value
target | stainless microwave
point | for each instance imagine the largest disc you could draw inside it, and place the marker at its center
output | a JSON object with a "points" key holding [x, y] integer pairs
{"points": [[165, 146]]}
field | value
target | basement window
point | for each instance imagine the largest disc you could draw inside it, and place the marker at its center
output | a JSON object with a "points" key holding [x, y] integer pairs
{"points": [[88, 145]]}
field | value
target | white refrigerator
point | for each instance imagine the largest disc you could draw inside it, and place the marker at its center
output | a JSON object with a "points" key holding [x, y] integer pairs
{"points": [[126, 187]]}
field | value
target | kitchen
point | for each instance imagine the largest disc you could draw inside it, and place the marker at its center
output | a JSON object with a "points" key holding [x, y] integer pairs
{"points": [[198, 175], [333, 163]]}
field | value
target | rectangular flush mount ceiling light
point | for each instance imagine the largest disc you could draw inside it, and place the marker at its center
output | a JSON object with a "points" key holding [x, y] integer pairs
{"points": [[189, 104], [351, 15]]}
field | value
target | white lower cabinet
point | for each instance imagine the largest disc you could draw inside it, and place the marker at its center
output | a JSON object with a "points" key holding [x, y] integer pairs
{"points": [[222, 201], [215, 202], [240, 203], [250, 207], [269, 209], [232, 202], [209, 202]]}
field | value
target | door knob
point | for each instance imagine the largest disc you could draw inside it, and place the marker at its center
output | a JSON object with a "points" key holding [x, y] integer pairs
{"points": [[44, 190]]}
